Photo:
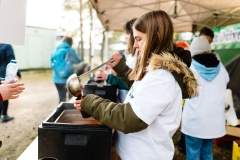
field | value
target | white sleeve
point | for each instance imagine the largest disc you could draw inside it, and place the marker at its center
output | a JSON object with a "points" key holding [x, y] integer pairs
{"points": [[153, 94]]}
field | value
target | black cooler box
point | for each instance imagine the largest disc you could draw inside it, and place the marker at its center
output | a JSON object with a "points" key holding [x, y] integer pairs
{"points": [[65, 135], [104, 91]]}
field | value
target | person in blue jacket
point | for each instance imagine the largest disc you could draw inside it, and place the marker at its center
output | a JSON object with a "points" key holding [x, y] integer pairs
{"points": [[62, 61], [6, 55]]}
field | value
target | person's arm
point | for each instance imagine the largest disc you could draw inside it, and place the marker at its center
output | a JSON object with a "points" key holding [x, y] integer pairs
{"points": [[73, 56], [122, 69], [1, 98], [115, 80], [118, 64], [123, 72], [10, 90], [115, 115]]}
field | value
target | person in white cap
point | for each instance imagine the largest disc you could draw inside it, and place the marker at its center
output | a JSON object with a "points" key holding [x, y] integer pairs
{"points": [[200, 45], [203, 116]]}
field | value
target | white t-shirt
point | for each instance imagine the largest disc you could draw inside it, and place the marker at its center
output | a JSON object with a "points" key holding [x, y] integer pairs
{"points": [[156, 99], [203, 116]]}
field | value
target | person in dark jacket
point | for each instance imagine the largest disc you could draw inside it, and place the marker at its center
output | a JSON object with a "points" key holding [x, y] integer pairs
{"points": [[6, 55]]}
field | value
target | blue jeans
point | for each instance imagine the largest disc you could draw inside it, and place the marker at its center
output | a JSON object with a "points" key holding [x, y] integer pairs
{"points": [[198, 149]]}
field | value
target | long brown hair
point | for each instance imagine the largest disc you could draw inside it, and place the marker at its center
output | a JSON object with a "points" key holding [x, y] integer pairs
{"points": [[158, 28], [128, 29]]}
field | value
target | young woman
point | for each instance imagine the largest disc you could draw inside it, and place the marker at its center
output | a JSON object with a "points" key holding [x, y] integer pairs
{"points": [[151, 113], [130, 53]]}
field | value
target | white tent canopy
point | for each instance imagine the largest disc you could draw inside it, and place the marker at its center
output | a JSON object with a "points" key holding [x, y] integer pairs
{"points": [[184, 13]]}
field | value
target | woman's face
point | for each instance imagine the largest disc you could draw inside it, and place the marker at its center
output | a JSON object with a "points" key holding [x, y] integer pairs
{"points": [[139, 40]]}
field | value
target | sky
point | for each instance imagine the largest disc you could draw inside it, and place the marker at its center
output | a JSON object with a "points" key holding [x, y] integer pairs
{"points": [[50, 14], [44, 13]]}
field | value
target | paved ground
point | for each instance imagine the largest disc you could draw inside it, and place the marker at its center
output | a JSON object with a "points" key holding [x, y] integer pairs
{"points": [[32, 107]]}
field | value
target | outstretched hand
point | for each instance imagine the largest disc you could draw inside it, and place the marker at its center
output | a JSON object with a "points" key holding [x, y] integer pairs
{"points": [[77, 104], [115, 59], [11, 90]]}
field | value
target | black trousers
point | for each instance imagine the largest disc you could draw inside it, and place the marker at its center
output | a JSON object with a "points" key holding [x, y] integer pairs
{"points": [[62, 90], [3, 107]]}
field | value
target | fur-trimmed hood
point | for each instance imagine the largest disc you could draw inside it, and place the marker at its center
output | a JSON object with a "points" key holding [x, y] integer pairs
{"points": [[182, 74]]}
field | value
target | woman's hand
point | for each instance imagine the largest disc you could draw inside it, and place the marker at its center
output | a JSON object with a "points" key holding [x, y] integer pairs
{"points": [[115, 59], [11, 90], [77, 104]]}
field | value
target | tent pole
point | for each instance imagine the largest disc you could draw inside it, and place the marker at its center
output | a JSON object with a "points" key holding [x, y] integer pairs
{"points": [[81, 31], [90, 34]]}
